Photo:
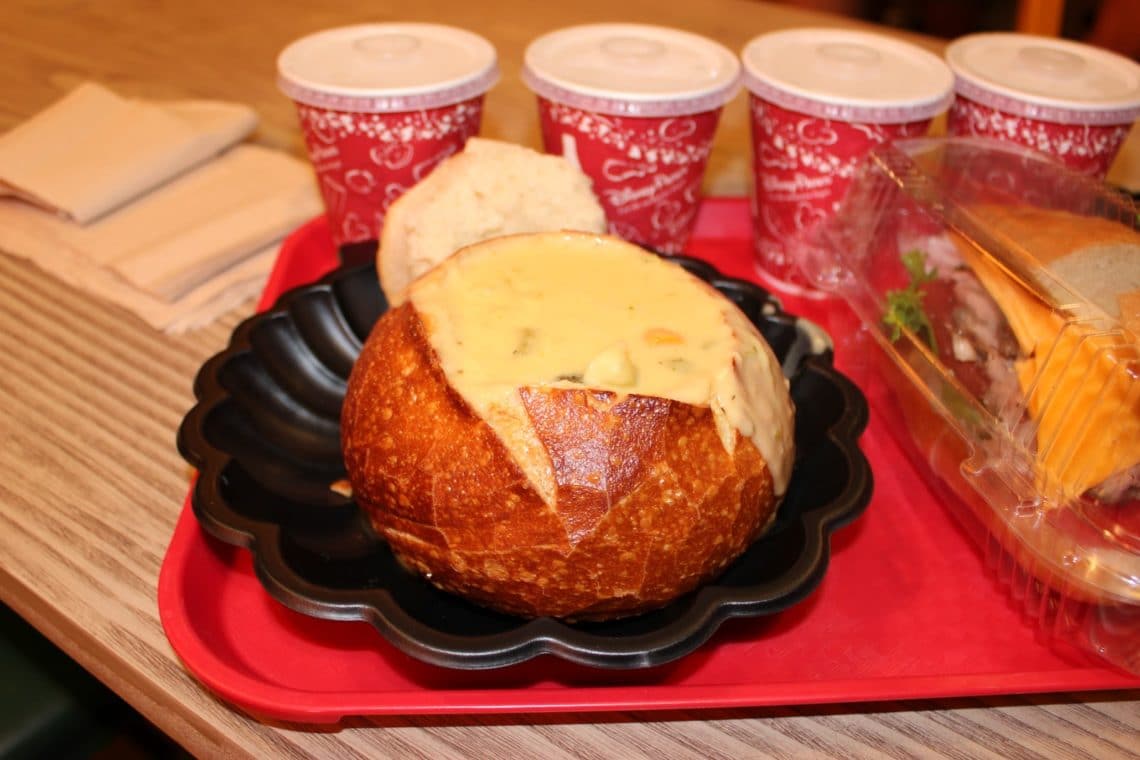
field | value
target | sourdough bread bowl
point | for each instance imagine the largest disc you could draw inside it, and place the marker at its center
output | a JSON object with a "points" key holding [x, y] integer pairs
{"points": [[562, 424]]}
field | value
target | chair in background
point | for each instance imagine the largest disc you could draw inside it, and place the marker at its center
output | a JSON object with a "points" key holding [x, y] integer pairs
{"points": [[1040, 17]]}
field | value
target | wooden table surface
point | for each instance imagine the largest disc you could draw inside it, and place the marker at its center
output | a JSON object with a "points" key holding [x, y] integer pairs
{"points": [[90, 398]]}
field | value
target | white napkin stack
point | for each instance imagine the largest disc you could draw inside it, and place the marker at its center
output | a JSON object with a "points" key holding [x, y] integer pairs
{"points": [[150, 205]]}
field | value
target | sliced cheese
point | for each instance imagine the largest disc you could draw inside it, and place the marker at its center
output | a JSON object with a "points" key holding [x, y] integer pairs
{"points": [[1078, 380], [1129, 305], [566, 309]]}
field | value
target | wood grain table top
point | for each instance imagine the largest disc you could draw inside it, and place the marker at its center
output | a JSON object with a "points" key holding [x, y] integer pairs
{"points": [[90, 398]]}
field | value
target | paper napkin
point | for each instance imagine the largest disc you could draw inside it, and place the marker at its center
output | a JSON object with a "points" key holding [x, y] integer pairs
{"points": [[181, 255], [92, 151], [180, 238]]}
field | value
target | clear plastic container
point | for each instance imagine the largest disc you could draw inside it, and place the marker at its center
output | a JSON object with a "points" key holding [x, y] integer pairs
{"points": [[1004, 291]]}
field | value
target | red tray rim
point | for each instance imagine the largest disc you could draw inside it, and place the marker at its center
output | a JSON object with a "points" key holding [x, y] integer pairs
{"points": [[721, 218], [263, 698]]}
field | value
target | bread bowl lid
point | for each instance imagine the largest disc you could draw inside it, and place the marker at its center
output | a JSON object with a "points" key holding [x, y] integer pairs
{"points": [[387, 67], [631, 70], [1004, 290], [1046, 78], [847, 75]]}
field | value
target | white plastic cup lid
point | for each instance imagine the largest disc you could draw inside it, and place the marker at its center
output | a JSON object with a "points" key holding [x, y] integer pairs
{"points": [[847, 75], [631, 70], [1046, 78], [387, 67]]}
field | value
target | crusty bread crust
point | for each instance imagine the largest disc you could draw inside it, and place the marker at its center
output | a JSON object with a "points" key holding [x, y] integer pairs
{"points": [[1051, 234], [1098, 258], [648, 504]]}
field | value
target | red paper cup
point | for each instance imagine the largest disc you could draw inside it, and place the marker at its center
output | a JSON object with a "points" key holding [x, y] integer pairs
{"points": [[802, 166], [1085, 148], [380, 105], [1073, 102], [820, 100], [647, 172], [365, 161], [636, 108]]}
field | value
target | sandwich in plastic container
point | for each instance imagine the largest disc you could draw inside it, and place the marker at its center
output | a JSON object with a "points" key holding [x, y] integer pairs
{"points": [[1004, 291]]}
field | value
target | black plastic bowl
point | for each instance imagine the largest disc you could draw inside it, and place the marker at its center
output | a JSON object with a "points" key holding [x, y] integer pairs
{"points": [[265, 437]]}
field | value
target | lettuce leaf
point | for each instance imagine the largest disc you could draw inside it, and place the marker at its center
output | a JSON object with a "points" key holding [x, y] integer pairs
{"points": [[904, 305]]}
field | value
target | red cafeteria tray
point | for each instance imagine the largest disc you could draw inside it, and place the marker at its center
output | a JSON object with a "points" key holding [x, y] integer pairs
{"points": [[906, 610]]}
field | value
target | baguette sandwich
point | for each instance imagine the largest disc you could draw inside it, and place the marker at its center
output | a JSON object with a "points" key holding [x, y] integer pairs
{"points": [[1045, 338]]}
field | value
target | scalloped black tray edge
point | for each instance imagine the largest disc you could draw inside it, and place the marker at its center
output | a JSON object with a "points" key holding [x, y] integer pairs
{"points": [[709, 606]]}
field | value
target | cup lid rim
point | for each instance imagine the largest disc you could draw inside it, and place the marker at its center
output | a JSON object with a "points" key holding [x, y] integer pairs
{"points": [[870, 110], [621, 102], [634, 106], [848, 110], [389, 99], [1019, 106], [1062, 110]]}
